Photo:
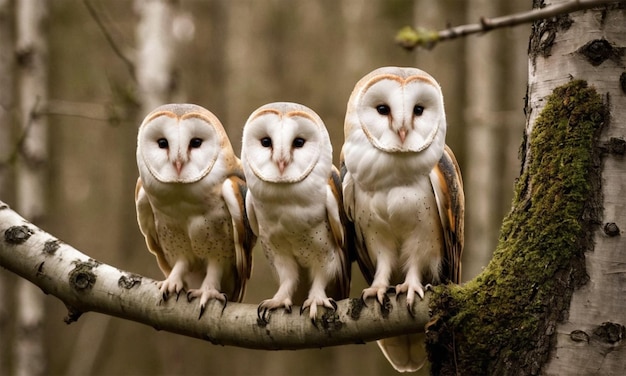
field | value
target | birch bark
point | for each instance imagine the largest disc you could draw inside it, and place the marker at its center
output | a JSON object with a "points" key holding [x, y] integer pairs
{"points": [[155, 52], [31, 177], [590, 45]]}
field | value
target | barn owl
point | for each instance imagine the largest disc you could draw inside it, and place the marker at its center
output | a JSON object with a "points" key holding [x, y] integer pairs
{"points": [[403, 191], [190, 204], [294, 205]]}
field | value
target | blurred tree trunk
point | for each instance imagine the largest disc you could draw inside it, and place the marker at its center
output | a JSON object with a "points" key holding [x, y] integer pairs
{"points": [[156, 49], [7, 72], [354, 13], [31, 177], [481, 175]]}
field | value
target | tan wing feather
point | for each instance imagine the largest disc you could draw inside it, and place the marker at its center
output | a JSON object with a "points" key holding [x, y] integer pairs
{"points": [[343, 233], [145, 219], [448, 187], [358, 248], [234, 192]]}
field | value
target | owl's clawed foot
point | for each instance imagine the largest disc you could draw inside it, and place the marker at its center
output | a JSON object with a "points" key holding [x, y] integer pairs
{"points": [[171, 286], [411, 289], [269, 305], [313, 302], [378, 292], [205, 295]]}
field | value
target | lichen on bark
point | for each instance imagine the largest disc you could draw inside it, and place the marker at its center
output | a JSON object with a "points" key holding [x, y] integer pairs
{"points": [[502, 322]]}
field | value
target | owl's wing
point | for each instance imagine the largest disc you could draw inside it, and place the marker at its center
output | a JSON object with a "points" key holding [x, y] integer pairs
{"points": [[145, 218], [448, 186], [342, 230], [234, 192], [359, 250]]}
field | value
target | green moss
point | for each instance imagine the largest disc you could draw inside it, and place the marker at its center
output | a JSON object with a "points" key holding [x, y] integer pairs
{"points": [[497, 323]]}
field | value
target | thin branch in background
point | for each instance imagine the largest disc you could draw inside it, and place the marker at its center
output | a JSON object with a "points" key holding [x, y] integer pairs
{"points": [[19, 144], [409, 37], [90, 111], [94, 14]]}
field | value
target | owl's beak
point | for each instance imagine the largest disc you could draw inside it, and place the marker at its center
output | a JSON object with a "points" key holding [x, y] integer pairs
{"points": [[402, 134], [282, 165], [178, 164]]}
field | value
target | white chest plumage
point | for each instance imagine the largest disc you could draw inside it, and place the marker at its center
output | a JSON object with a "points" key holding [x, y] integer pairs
{"points": [[401, 226], [199, 237]]}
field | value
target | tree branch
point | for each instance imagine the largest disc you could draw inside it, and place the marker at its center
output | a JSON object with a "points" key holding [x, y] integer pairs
{"points": [[107, 35], [85, 284], [409, 38]]}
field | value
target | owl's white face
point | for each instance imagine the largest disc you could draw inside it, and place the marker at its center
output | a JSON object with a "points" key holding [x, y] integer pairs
{"points": [[398, 109], [179, 143], [282, 142]]}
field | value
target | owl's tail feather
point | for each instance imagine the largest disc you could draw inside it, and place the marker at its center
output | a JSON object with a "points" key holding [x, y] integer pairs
{"points": [[406, 353]]}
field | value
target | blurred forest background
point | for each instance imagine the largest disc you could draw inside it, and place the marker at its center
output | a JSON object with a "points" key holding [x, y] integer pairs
{"points": [[232, 57]]}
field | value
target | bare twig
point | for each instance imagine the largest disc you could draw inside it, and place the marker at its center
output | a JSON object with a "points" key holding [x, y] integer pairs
{"points": [[85, 284], [409, 37], [94, 14], [91, 111], [21, 139]]}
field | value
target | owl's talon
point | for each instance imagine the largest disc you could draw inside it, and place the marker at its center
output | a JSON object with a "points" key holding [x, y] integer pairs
{"points": [[411, 289], [334, 304], [202, 308], [225, 302], [363, 298], [178, 293], [265, 316], [317, 301], [260, 315], [269, 305], [380, 293], [410, 309]]}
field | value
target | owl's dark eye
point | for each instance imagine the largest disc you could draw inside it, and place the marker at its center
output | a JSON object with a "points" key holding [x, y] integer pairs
{"points": [[163, 144], [383, 109], [195, 143], [298, 142], [418, 110], [266, 142]]}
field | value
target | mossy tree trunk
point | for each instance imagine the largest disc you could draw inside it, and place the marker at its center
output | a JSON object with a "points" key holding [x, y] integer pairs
{"points": [[551, 301], [591, 46]]}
